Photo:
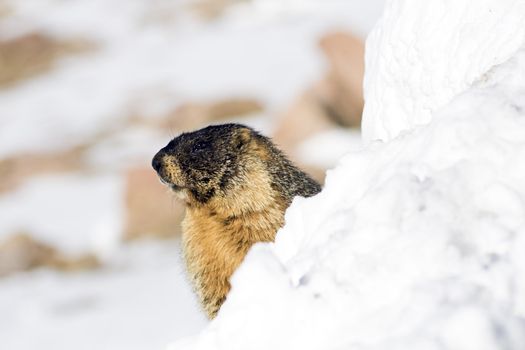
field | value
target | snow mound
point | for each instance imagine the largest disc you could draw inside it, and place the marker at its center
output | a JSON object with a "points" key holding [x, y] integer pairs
{"points": [[416, 243], [423, 53]]}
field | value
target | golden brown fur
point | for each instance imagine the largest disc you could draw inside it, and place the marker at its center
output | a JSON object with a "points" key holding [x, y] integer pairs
{"points": [[236, 187], [217, 237]]}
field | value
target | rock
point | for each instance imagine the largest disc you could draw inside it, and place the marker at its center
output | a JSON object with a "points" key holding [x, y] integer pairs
{"points": [[335, 101], [317, 173], [21, 252], [303, 119], [152, 212], [211, 9], [342, 95], [80, 263], [17, 169], [31, 54], [195, 115], [5, 10]]}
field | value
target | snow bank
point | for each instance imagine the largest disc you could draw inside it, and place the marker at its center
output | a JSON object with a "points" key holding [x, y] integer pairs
{"points": [[423, 53], [416, 243]]}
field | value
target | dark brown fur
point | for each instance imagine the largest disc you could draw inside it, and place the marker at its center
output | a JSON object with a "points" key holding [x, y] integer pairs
{"points": [[237, 186]]}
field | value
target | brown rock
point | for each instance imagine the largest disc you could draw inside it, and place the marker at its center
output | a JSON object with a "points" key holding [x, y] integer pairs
{"points": [[152, 212], [335, 101], [303, 119], [5, 10], [195, 115], [32, 54], [211, 9], [17, 169], [317, 173], [79, 263], [342, 92], [21, 252]]}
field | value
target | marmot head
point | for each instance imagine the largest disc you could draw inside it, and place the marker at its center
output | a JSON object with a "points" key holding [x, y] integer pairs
{"points": [[200, 164]]}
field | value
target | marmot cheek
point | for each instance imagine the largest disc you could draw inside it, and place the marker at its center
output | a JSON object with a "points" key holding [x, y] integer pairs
{"points": [[173, 172]]}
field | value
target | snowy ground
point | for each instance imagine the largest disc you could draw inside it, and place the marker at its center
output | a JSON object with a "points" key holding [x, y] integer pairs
{"points": [[150, 56], [141, 301]]}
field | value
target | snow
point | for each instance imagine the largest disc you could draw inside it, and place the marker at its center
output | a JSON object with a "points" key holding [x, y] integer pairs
{"points": [[416, 241], [85, 209], [326, 148], [424, 54], [140, 302]]}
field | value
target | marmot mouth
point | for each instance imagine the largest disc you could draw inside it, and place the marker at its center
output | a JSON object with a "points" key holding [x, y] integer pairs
{"points": [[173, 186], [163, 181]]}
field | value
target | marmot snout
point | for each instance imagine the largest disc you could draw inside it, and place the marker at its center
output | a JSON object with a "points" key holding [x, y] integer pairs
{"points": [[237, 186]]}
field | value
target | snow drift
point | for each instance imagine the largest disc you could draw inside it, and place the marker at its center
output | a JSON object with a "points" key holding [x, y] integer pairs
{"points": [[414, 243], [423, 53]]}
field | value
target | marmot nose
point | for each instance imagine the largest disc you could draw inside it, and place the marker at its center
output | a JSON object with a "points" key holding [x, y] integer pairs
{"points": [[156, 163]]}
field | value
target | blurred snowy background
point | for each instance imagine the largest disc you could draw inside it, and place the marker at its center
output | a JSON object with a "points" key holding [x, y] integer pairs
{"points": [[90, 90]]}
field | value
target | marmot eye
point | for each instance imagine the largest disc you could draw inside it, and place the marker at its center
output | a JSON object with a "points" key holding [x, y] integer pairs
{"points": [[199, 146]]}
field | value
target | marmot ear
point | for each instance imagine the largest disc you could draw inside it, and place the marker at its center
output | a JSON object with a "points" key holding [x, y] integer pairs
{"points": [[242, 137]]}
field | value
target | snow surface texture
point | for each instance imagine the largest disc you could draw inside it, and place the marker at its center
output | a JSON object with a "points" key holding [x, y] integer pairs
{"points": [[416, 243], [424, 53]]}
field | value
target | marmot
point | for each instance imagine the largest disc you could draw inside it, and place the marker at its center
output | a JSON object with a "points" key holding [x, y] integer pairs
{"points": [[237, 186]]}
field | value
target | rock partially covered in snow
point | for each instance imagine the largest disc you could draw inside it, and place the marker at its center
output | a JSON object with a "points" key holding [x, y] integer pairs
{"points": [[416, 243], [21, 252]]}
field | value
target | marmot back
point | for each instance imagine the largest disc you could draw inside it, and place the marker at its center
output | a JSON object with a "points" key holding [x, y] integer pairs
{"points": [[237, 186]]}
